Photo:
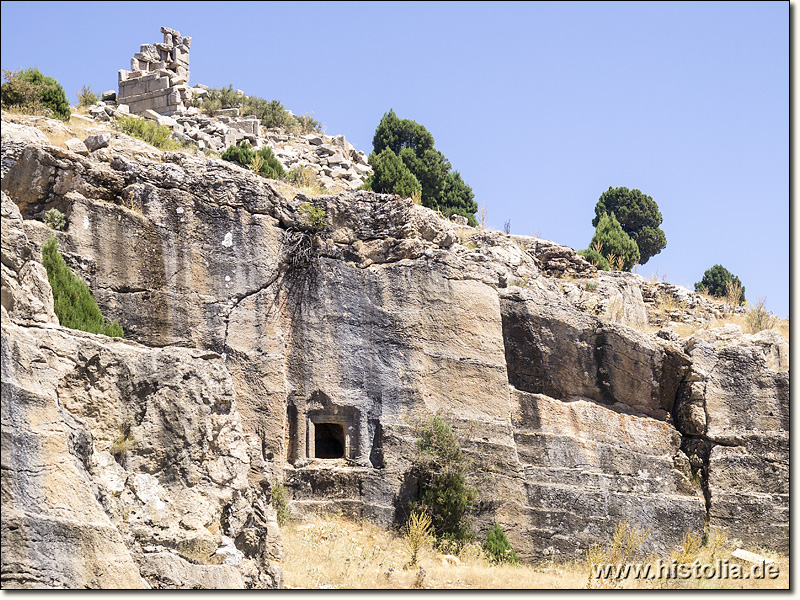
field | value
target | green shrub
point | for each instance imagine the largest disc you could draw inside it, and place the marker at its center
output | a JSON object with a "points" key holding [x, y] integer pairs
{"points": [[638, 216], [55, 219], [31, 91], [280, 501], [262, 161], [313, 217], [391, 176], [148, 131], [614, 244], [497, 548], [715, 281], [441, 188], [270, 113], [72, 301], [440, 468], [307, 124], [595, 258], [86, 97]]}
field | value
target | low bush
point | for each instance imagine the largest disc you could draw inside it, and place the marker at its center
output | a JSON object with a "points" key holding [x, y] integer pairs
{"points": [[55, 219], [32, 92], [119, 449], [715, 283], [497, 548], [262, 161], [73, 303], [148, 131], [595, 258], [270, 113], [312, 217], [86, 97]]}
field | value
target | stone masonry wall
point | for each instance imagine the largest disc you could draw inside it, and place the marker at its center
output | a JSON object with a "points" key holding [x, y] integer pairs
{"points": [[159, 76]]}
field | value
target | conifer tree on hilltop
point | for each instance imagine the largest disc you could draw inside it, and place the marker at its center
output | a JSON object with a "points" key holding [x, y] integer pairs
{"points": [[420, 168]]}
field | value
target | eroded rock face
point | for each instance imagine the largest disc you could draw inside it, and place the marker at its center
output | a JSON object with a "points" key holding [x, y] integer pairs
{"points": [[735, 404], [113, 452], [556, 350], [339, 339]]}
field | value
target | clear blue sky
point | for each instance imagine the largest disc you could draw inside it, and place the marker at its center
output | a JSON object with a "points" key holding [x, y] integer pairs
{"points": [[540, 106]]}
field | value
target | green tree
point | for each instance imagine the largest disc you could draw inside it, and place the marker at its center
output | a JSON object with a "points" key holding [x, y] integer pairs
{"points": [[72, 301], [33, 91], [595, 258], [458, 198], [715, 281], [391, 176], [639, 217], [440, 468], [497, 547], [441, 188], [612, 242], [397, 134]]}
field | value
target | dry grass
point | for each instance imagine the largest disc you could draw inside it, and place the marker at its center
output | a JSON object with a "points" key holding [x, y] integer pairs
{"points": [[335, 552], [756, 319], [58, 132], [687, 329]]}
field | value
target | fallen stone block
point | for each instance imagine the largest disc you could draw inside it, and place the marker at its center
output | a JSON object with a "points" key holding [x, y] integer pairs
{"points": [[77, 146], [97, 141]]}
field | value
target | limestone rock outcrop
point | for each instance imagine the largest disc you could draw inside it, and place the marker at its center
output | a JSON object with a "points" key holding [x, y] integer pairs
{"points": [[333, 338], [123, 466]]}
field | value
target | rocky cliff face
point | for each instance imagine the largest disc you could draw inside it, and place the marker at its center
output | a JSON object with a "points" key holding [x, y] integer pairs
{"points": [[293, 340], [123, 466]]}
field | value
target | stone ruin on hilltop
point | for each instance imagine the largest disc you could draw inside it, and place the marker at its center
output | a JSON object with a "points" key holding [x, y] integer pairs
{"points": [[159, 76], [157, 88]]}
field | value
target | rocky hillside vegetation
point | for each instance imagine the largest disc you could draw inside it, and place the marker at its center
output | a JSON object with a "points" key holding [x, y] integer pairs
{"points": [[285, 348]]}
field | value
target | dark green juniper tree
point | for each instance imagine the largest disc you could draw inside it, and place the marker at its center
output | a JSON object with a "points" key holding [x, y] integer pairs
{"points": [[73, 303], [639, 217], [715, 281], [441, 188], [440, 469]]}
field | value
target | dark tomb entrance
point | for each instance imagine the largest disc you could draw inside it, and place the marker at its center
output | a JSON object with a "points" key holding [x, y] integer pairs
{"points": [[328, 440]]}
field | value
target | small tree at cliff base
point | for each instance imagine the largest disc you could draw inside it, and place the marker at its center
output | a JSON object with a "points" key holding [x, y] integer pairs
{"points": [[497, 548], [440, 468]]}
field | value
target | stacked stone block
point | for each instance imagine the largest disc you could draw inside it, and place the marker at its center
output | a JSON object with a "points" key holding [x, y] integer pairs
{"points": [[159, 77]]}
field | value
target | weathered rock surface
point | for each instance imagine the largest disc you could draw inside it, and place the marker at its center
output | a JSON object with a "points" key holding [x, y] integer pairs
{"points": [[384, 316], [113, 452], [735, 406]]}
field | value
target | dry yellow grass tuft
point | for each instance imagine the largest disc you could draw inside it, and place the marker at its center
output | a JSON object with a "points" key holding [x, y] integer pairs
{"points": [[331, 551], [336, 552]]}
